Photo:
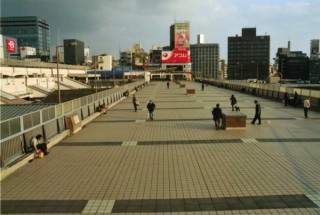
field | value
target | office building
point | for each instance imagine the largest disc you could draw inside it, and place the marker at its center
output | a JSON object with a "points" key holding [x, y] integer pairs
{"points": [[205, 59], [314, 49], [177, 59], [73, 52], [200, 39], [314, 71], [293, 65], [30, 31], [248, 56]]}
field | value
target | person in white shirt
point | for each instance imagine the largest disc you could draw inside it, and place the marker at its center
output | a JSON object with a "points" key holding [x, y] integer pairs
{"points": [[306, 106], [39, 146]]}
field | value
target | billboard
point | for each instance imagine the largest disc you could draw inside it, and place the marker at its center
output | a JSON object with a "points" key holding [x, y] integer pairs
{"points": [[27, 51], [11, 45], [8, 47], [182, 36], [176, 56]]}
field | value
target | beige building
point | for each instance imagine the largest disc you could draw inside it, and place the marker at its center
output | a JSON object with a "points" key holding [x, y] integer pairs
{"points": [[103, 62]]}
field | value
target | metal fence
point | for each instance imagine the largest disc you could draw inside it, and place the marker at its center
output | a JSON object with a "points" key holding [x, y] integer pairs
{"points": [[16, 133], [269, 90]]}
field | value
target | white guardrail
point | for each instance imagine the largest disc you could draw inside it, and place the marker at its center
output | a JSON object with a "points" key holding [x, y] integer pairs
{"points": [[16, 132]]}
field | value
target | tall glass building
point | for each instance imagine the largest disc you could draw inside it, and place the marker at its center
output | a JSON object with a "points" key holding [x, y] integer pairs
{"points": [[29, 31]]}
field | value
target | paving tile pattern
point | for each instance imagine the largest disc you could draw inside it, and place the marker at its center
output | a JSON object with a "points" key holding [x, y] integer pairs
{"points": [[122, 156]]}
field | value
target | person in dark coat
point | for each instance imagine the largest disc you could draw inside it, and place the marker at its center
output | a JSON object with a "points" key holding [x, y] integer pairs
{"points": [[286, 99], [257, 115], [168, 84], [217, 116], [202, 86], [233, 101], [296, 99], [151, 106], [135, 103]]}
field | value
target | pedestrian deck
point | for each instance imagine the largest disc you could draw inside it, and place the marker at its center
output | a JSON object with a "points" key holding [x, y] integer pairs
{"points": [[177, 164]]}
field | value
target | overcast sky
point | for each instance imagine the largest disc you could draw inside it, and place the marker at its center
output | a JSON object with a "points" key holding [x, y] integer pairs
{"points": [[107, 26]]}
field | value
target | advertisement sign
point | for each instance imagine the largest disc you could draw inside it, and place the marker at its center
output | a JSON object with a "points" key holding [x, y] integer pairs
{"points": [[176, 56], [11, 45], [182, 36], [27, 51]]}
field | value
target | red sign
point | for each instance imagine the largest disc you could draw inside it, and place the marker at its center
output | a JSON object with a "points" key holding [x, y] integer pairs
{"points": [[176, 56], [11, 46]]}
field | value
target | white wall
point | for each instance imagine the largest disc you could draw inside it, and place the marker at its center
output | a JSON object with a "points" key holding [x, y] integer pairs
{"points": [[17, 86], [107, 63], [15, 71]]}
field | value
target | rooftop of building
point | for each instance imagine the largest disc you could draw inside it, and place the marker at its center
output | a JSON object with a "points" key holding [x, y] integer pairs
{"points": [[178, 163]]}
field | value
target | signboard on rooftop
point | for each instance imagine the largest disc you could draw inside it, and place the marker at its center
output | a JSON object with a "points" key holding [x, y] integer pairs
{"points": [[182, 36], [176, 56]]}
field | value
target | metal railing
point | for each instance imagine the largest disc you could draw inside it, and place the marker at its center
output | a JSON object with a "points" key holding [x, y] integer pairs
{"points": [[290, 89], [17, 132]]}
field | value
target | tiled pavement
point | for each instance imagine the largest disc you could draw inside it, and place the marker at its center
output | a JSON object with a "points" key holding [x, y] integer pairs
{"points": [[123, 163]]}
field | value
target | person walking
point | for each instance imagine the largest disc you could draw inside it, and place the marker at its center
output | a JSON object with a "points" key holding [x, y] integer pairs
{"points": [[135, 103], [217, 116], [168, 84], [202, 86], [296, 99], [233, 101], [286, 99], [306, 106], [151, 106], [257, 115]]}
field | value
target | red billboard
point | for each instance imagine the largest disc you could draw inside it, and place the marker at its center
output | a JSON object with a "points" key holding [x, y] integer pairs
{"points": [[176, 56], [11, 45]]}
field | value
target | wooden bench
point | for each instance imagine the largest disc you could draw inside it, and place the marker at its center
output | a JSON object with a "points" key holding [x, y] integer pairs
{"points": [[182, 85], [233, 120], [191, 91]]}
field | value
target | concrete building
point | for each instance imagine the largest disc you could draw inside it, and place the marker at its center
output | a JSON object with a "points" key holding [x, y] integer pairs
{"points": [[200, 39], [103, 62], [30, 31], [205, 59], [73, 52], [248, 56]]}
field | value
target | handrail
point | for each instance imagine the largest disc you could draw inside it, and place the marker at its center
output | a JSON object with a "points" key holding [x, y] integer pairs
{"points": [[12, 130], [283, 89]]}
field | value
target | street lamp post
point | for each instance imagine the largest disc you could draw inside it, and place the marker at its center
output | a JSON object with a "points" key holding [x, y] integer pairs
{"points": [[240, 66], [281, 70], [95, 73], [57, 60], [257, 69], [58, 75]]}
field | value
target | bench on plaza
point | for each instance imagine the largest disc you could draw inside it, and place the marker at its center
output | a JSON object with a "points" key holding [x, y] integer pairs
{"points": [[177, 82], [191, 91], [182, 85], [233, 120]]}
